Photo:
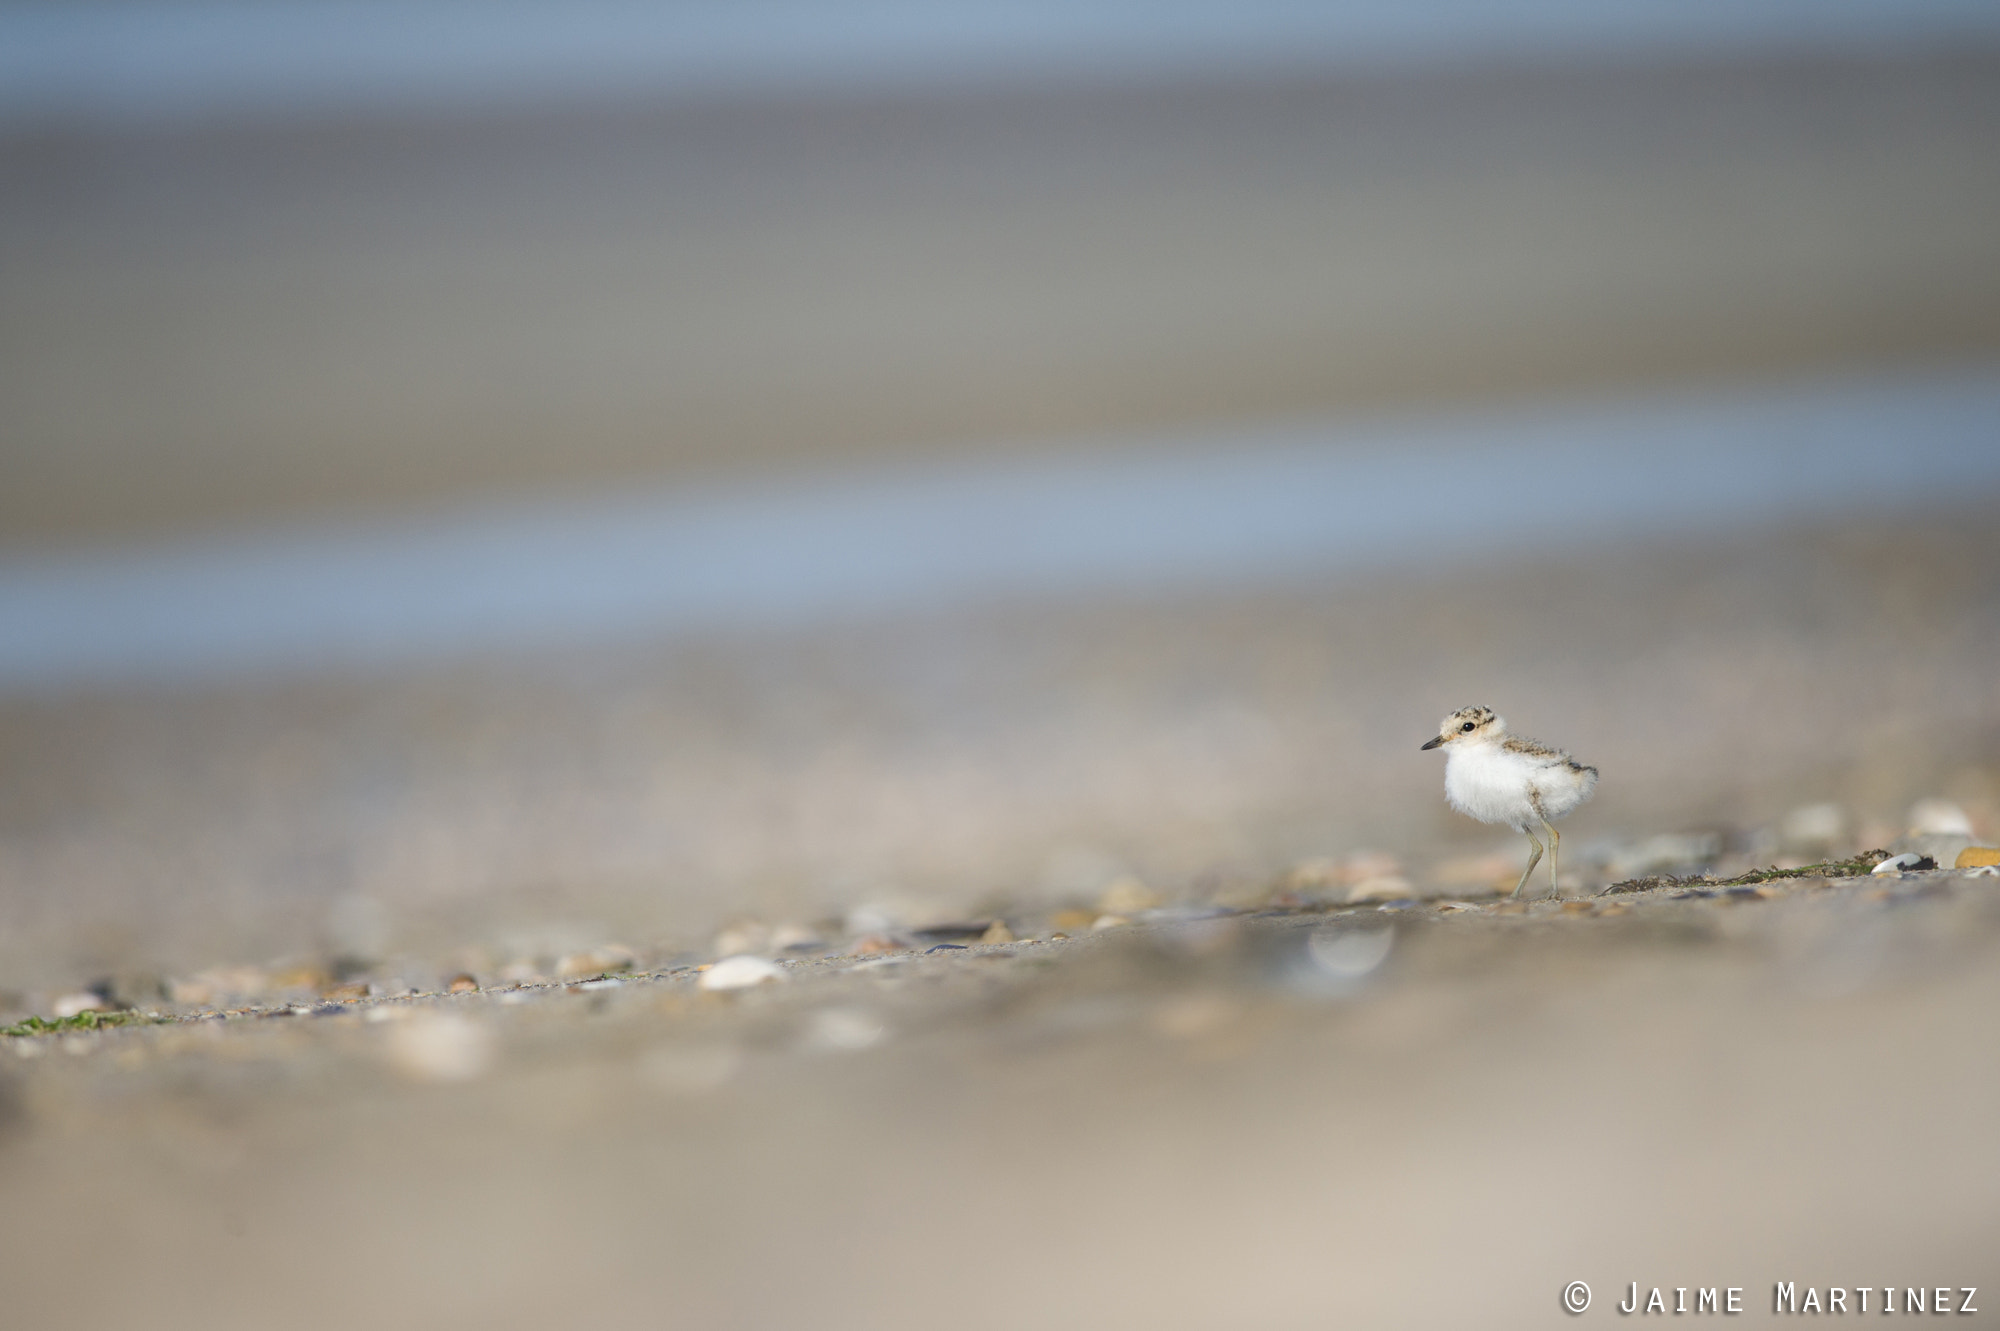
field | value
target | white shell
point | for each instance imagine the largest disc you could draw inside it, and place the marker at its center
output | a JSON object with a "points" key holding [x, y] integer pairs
{"points": [[740, 973], [73, 1005]]}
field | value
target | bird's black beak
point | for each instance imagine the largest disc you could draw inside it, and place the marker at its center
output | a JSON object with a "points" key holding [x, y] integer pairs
{"points": [[1437, 740]]}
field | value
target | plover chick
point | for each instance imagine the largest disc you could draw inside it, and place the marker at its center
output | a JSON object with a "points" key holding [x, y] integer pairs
{"points": [[1501, 778]]}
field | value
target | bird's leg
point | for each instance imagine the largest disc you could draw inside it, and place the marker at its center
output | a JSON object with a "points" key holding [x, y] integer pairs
{"points": [[1534, 858], [1555, 849], [1535, 803]]}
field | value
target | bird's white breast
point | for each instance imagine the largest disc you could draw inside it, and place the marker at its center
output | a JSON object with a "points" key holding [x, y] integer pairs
{"points": [[1493, 785], [1481, 782]]}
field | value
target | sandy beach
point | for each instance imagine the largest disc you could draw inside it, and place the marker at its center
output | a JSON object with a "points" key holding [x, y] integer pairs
{"points": [[1225, 1096], [399, 928]]}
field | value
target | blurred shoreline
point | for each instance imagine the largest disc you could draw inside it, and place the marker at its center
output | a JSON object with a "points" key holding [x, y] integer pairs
{"points": [[1314, 502], [206, 329], [92, 62]]}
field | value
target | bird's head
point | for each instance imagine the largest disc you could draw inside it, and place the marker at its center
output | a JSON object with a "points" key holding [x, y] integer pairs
{"points": [[1469, 725]]}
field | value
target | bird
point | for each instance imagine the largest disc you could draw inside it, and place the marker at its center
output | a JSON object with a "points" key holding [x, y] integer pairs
{"points": [[1501, 778]]}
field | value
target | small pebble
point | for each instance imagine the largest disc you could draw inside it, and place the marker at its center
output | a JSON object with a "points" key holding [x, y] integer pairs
{"points": [[213, 985], [462, 984], [1108, 922], [1386, 887], [1908, 862], [740, 972], [1973, 857], [75, 1005], [307, 976], [1127, 896], [1314, 873], [742, 938], [874, 945], [346, 993], [608, 982], [1363, 865], [789, 938], [945, 947], [997, 932], [596, 961]]}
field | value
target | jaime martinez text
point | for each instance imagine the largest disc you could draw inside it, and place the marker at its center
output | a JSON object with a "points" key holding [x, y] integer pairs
{"points": [[1791, 1297]]}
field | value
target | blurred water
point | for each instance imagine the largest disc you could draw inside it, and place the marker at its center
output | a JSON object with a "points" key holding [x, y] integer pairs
{"points": [[1215, 512], [113, 59]]}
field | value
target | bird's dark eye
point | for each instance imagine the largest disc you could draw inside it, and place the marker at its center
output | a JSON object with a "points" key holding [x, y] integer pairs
{"points": [[1466, 726]]}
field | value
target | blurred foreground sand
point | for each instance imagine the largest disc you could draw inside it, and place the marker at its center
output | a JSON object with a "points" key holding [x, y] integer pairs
{"points": [[1168, 1125]]}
